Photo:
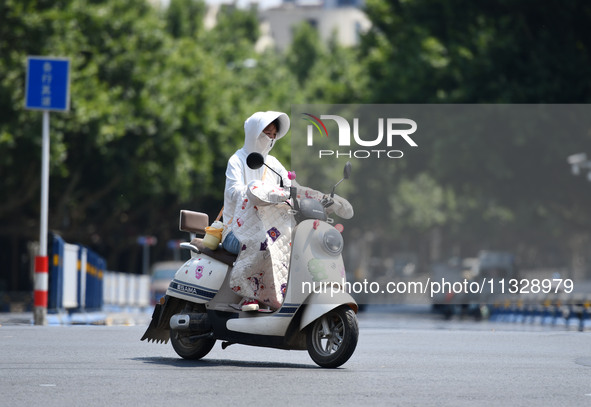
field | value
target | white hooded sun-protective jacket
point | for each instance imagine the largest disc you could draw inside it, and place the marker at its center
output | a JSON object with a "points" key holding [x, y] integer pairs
{"points": [[260, 271], [238, 175]]}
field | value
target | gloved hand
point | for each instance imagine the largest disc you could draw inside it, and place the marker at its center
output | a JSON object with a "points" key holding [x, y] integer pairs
{"points": [[341, 207], [262, 193]]}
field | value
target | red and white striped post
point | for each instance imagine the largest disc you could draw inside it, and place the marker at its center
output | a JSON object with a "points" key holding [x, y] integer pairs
{"points": [[41, 285], [41, 261]]}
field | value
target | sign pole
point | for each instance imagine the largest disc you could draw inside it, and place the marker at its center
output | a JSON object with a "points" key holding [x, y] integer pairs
{"points": [[41, 261], [47, 89]]}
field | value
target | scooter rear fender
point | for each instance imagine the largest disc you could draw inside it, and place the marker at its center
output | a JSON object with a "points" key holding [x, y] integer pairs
{"points": [[318, 304], [198, 280]]}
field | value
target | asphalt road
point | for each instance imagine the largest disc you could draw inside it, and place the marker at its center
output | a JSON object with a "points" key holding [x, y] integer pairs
{"points": [[401, 360]]}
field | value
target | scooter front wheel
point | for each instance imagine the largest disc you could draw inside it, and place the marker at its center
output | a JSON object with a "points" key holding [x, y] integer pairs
{"points": [[332, 338], [191, 348]]}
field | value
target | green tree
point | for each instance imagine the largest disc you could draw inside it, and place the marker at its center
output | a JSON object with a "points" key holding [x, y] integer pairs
{"points": [[234, 34], [304, 52], [493, 51], [185, 18], [337, 76], [157, 107]]}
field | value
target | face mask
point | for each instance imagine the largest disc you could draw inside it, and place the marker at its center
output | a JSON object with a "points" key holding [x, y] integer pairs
{"points": [[264, 144]]}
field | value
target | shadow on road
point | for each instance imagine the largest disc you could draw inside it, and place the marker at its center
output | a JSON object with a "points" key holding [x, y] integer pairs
{"points": [[174, 362]]}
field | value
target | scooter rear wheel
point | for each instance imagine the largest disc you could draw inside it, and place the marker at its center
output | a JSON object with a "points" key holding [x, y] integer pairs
{"points": [[192, 349], [332, 338]]}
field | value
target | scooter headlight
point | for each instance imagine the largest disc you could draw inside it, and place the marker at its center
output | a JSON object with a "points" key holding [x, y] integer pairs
{"points": [[332, 241]]}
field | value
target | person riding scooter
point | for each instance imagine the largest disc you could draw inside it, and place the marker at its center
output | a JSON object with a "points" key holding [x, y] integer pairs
{"points": [[262, 234], [261, 130], [199, 307]]}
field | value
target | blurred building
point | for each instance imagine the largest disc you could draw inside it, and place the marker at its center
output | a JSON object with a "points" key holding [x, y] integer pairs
{"points": [[343, 19]]}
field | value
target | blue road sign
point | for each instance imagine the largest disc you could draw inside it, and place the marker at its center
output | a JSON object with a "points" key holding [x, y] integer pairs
{"points": [[48, 84]]}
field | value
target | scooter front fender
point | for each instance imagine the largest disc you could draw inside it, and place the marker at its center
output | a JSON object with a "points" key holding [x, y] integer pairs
{"points": [[318, 304]]}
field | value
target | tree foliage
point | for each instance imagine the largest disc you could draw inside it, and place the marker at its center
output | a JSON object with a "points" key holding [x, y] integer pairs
{"points": [[492, 51], [156, 110], [510, 181]]}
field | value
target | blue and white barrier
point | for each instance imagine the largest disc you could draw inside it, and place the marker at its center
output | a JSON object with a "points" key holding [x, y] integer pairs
{"points": [[75, 277], [81, 290]]}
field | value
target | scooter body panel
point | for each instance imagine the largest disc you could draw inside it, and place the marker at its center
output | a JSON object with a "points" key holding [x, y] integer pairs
{"points": [[257, 329], [313, 268], [270, 325], [198, 280]]}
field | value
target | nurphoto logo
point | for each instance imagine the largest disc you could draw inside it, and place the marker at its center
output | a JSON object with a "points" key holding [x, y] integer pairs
{"points": [[388, 130]]}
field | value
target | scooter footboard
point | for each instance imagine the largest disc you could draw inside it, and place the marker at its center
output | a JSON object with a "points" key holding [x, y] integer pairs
{"points": [[318, 305]]}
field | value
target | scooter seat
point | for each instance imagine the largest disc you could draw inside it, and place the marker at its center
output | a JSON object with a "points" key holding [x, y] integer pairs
{"points": [[220, 254]]}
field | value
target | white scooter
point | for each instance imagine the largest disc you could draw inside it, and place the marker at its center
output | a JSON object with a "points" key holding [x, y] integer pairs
{"points": [[316, 315]]}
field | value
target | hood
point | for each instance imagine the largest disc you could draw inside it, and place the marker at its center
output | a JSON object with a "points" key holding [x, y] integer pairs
{"points": [[254, 140]]}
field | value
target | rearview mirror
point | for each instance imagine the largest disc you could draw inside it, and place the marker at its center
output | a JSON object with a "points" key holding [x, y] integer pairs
{"points": [[346, 175], [255, 161], [347, 170]]}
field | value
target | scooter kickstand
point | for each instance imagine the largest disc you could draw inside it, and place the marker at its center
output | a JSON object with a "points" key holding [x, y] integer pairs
{"points": [[226, 344]]}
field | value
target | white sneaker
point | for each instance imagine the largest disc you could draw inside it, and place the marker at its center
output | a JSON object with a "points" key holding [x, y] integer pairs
{"points": [[250, 305]]}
